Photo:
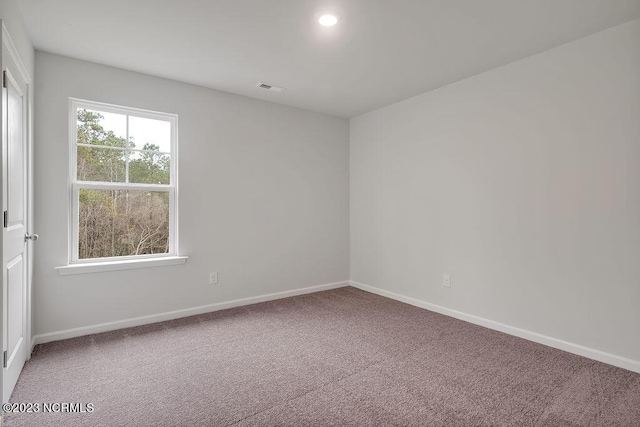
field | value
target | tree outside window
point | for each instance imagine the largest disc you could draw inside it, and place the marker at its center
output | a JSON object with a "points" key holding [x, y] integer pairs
{"points": [[123, 190]]}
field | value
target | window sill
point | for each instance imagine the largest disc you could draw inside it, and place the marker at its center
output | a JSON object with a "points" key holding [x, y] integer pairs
{"points": [[96, 267]]}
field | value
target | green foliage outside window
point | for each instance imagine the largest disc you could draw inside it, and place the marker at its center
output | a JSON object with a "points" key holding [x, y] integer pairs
{"points": [[116, 223]]}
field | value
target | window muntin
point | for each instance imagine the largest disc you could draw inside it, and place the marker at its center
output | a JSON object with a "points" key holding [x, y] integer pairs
{"points": [[123, 182]]}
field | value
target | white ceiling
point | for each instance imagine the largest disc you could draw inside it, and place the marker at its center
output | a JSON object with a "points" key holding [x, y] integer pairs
{"points": [[381, 51]]}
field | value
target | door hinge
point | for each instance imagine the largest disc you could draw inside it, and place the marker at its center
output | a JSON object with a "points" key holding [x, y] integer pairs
{"points": [[6, 219], [4, 359], [4, 78]]}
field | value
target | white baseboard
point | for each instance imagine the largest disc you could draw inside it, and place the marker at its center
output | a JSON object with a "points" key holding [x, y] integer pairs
{"points": [[611, 359], [170, 315], [33, 344]]}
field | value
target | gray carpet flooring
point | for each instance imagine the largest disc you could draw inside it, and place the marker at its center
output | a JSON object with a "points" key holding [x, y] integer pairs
{"points": [[337, 358]]}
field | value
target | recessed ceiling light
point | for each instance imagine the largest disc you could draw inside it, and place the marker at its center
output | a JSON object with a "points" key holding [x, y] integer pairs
{"points": [[328, 20]]}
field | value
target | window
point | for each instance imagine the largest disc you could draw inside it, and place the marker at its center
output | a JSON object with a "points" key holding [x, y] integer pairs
{"points": [[123, 183]]}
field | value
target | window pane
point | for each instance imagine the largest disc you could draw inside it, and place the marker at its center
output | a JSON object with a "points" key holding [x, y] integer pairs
{"points": [[101, 164], [116, 223], [150, 134], [149, 167], [102, 128]]}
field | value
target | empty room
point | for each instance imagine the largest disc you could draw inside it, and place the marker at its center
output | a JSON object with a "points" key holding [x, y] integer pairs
{"points": [[320, 213]]}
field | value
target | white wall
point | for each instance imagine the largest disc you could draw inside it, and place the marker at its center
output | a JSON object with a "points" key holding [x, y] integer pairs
{"points": [[11, 17], [264, 198], [523, 183]]}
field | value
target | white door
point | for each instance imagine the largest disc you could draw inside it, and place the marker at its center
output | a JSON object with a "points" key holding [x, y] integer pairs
{"points": [[14, 200]]}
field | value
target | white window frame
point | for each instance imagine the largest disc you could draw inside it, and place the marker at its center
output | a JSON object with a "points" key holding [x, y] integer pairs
{"points": [[75, 186]]}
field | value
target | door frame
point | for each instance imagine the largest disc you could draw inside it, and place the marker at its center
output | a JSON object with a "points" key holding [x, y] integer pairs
{"points": [[7, 43]]}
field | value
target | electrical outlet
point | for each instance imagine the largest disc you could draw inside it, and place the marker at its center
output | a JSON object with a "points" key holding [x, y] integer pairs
{"points": [[446, 281], [213, 278]]}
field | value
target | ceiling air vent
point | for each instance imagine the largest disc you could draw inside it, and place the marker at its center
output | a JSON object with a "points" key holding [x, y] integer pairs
{"points": [[267, 86]]}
